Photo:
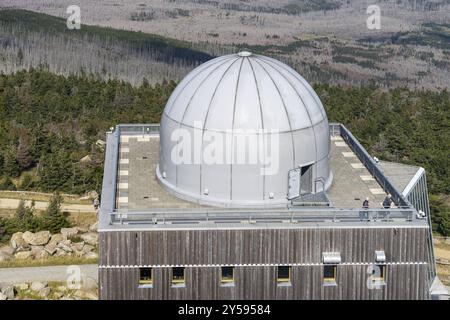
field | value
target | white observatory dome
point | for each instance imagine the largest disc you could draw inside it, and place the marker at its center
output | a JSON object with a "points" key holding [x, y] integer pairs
{"points": [[226, 109]]}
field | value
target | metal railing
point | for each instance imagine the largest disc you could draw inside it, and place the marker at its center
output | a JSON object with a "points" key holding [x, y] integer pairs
{"points": [[405, 211], [387, 185], [292, 215], [373, 168], [138, 128]]}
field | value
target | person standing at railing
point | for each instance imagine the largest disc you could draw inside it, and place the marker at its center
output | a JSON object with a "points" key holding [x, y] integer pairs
{"points": [[387, 202], [366, 204], [364, 214]]}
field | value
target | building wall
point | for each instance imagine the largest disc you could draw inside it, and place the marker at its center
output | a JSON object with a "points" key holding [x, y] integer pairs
{"points": [[255, 253]]}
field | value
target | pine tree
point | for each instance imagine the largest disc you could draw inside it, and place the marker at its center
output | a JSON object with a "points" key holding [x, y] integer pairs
{"points": [[24, 158], [10, 165], [53, 219]]}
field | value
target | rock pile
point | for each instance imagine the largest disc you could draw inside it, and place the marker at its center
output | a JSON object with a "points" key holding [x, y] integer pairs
{"points": [[42, 290], [75, 242]]}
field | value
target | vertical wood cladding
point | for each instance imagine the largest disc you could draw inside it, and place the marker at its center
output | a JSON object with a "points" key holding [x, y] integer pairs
{"points": [[212, 247]]}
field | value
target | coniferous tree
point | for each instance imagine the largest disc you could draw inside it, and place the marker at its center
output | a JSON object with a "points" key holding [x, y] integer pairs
{"points": [[10, 165], [24, 158], [53, 219]]}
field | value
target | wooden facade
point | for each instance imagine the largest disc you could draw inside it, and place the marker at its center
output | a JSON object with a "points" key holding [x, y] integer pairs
{"points": [[255, 254]]}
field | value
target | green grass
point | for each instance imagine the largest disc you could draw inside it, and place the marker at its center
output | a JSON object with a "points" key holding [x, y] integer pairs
{"points": [[50, 261]]}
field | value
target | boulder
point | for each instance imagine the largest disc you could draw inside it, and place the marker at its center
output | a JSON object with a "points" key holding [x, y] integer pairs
{"points": [[69, 232], [36, 250], [60, 252], [21, 286], [57, 295], [44, 292], [90, 238], [447, 240], [58, 237], [2, 297], [94, 227], [17, 241], [51, 247], [23, 255], [65, 245], [37, 286], [77, 246], [82, 229], [86, 158], [91, 255], [36, 239], [87, 248], [42, 255], [8, 291]]}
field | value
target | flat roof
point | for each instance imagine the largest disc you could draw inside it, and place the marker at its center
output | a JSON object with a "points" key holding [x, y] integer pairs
{"points": [[130, 188], [400, 174], [138, 188]]}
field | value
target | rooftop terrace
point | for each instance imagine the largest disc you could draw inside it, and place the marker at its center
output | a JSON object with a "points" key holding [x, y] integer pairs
{"points": [[132, 195]]}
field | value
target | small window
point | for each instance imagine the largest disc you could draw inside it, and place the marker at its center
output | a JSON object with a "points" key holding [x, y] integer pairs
{"points": [[329, 273], [284, 274], [227, 275], [178, 275], [145, 276]]}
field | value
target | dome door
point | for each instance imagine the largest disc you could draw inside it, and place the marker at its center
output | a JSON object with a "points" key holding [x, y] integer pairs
{"points": [[299, 182], [294, 183]]}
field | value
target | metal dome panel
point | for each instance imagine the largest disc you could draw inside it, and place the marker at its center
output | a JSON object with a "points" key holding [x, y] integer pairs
{"points": [[251, 97]]}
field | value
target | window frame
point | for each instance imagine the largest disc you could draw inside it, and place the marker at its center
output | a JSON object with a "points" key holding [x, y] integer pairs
{"points": [[225, 281], [146, 283], [382, 277], [330, 280], [285, 281], [178, 282]]}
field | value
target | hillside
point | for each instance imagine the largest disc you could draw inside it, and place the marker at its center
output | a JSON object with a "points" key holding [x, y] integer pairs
{"points": [[29, 39], [324, 40]]}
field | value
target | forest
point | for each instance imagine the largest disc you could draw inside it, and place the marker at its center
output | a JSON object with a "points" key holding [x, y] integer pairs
{"points": [[50, 123], [29, 39]]}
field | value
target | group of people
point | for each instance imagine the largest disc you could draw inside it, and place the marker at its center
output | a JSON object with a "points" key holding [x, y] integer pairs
{"points": [[387, 202]]}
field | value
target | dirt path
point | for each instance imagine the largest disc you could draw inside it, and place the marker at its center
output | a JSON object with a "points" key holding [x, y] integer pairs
{"points": [[42, 205], [49, 273]]}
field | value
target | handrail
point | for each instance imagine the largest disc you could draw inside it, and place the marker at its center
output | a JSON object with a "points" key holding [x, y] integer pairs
{"points": [[281, 215], [373, 167]]}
